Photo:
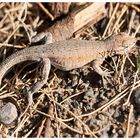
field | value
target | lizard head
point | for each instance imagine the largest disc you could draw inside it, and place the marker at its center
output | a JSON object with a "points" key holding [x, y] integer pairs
{"points": [[123, 43]]}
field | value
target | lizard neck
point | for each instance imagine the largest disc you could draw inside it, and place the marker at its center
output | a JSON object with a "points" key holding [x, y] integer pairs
{"points": [[110, 47], [104, 47]]}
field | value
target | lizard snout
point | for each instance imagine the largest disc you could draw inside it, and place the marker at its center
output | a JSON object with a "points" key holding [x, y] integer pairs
{"points": [[125, 49]]}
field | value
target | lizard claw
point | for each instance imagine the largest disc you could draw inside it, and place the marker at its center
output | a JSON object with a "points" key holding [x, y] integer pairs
{"points": [[106, 74]]}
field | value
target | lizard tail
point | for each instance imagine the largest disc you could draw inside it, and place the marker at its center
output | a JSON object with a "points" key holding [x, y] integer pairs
{"points": [[17, 57]]}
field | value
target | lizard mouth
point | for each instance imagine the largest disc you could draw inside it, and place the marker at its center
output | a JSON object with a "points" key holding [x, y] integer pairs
{"points": [[130, 48], [127, 50]]}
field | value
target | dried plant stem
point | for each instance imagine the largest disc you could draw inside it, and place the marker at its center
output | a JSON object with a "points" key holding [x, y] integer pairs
{"points": [[129, 119], [115, 10]]}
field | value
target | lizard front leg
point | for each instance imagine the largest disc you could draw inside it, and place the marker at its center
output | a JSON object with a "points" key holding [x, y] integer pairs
{"points": [[96, 64], [44, 76]]}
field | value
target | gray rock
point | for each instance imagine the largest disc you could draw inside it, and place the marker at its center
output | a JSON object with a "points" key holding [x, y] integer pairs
{"points": [[8, 113]]}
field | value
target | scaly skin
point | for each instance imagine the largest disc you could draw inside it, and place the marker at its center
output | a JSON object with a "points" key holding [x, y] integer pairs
{"points": [[69, 54]]}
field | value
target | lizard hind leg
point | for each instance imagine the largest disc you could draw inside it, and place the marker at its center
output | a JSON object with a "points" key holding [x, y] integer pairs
{"points": [[44, 76], [45, 36]]}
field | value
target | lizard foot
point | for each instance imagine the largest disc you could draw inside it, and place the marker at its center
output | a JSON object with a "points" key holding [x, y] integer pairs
{"points": [[106, 75], [27, 91]]}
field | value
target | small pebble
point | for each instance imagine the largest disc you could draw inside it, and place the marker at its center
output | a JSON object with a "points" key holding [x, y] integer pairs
{"points": [[8, 113], [89, 93]]}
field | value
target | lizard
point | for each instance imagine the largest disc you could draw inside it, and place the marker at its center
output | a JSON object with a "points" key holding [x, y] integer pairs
{"points": [[67, 55]]}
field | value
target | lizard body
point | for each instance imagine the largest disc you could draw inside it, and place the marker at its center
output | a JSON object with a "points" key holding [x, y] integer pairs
{"points": [[69, 54]]}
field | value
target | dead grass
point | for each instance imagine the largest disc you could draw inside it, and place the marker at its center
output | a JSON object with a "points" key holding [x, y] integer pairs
{"points": [[61, 108]]}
